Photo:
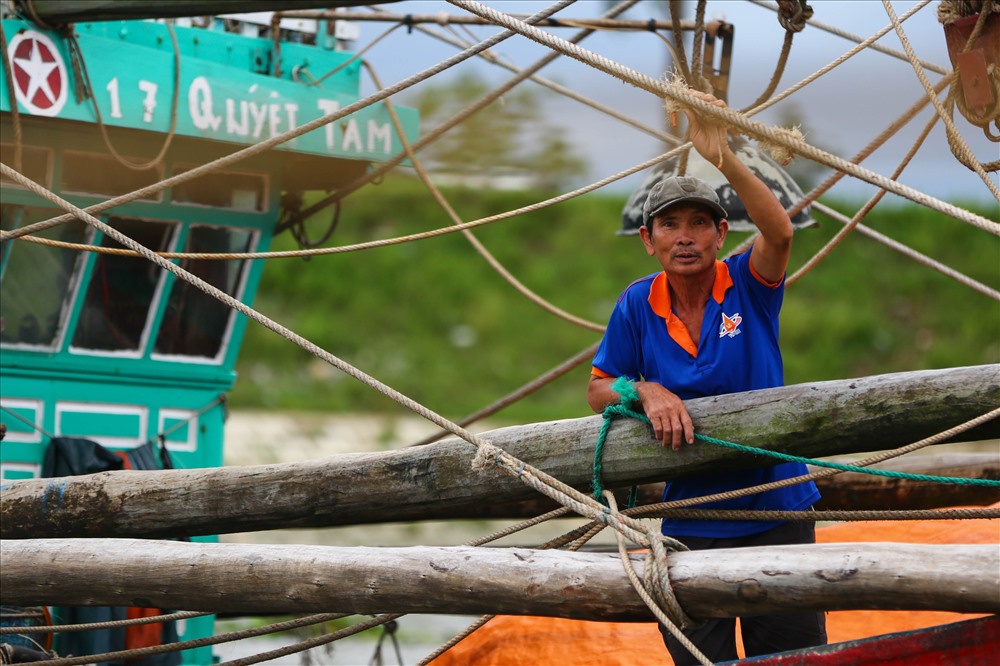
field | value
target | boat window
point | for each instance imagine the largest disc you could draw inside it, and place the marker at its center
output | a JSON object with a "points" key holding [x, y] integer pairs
{"points": [[35, 164], [226, 189], [102, 175], [37, 280], [196, 324], [121, 290]]}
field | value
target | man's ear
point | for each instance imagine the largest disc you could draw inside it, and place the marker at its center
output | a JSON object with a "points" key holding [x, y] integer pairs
{"points": [[646, 239], [723, 230]]}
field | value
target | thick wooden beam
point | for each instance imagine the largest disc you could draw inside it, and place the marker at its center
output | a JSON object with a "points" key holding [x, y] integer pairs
{"points": [[462, 580], [436, 481], [857, 491]]}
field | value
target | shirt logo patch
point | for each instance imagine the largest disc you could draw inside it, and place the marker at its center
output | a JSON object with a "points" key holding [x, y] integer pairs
{"points": [[730, 325]]}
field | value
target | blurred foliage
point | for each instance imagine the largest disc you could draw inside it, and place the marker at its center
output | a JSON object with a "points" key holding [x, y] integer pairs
{"points": [[510, 137], [434, 321]]}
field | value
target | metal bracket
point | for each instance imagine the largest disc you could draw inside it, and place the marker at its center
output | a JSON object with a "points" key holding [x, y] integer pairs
{"points": [[719, 76]]}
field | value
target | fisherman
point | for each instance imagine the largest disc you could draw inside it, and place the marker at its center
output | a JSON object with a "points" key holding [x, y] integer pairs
{"points": [[704, 327]]}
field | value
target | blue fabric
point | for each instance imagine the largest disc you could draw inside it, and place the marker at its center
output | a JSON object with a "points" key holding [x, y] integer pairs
{"points": [[730, 359]]}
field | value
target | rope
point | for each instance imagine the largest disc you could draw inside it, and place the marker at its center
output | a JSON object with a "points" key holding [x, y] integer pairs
{"points": [[457, 221], [658, 580], [913, 254], [872, 146], [589, 530], [284, 136], [219, 400], [523, 391], [488, 454], [194, 643], [955, 138], [625, 410], [628, 399], [821, 474], [676, 11], [937, 69], [754, 129], [864, 210], [556, 87], [91, 626], [283, 254], [35, 426], [459, 117], [312, 642], [836, 177], [455, 640], [793, 14], [779, 70], [76, 55], [821, 516], [869, 43], [954, 480], [501, 462], [698, 49]]}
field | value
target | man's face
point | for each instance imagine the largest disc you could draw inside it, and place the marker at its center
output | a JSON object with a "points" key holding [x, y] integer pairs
{"points": [[685, 239]]}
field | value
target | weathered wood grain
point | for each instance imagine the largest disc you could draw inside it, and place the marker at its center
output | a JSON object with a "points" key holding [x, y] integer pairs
{"points": [[463, 580], [436, 481]]}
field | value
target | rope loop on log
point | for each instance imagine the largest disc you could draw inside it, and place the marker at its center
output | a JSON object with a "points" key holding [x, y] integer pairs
{"points": [[486, 457], [655, 589], [628, 400]]}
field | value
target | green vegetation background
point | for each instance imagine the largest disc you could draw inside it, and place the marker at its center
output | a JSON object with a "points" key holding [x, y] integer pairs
{"points": [[434, 321]]}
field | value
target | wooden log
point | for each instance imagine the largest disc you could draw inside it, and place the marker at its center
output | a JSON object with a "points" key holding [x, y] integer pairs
{"points": [[857, 491], [436, 481], [463, 580], [847, 491]]}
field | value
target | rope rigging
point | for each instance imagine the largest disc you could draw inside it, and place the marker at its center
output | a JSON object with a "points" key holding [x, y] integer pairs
{"points": [[601, 509]]}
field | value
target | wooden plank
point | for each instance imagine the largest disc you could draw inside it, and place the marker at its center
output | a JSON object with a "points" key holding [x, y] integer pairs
{"points": [[462, 580], [436, 481]]}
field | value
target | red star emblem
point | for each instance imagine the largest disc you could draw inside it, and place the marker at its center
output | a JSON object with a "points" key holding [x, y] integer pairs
{"points": [[39, 74]]}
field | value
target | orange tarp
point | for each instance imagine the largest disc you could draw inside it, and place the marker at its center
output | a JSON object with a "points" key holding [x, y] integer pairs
{"points": [[540, 641]]}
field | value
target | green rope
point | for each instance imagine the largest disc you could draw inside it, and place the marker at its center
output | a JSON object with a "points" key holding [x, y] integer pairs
{"points": [[622, 410], [851, 468], [627, 397]]}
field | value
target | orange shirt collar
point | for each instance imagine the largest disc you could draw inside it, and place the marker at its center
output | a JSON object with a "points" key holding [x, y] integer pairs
{"points": [[659, 301], [659, 291]]}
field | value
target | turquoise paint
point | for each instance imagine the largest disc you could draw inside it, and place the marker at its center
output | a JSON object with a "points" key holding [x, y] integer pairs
{"points": [[228, 96], [131, 69]]}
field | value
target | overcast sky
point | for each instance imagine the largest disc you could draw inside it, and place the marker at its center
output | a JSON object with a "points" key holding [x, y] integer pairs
{"points": [[843, 111]]}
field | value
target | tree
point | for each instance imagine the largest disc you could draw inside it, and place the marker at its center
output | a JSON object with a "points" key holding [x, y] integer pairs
{"points": [[510, 136]]}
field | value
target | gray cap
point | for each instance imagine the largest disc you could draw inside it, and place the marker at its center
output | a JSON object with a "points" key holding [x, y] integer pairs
{"points": [[680, 189]]}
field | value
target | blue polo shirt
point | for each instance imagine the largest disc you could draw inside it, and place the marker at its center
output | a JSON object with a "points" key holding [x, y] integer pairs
{"points": [[738, 351]]}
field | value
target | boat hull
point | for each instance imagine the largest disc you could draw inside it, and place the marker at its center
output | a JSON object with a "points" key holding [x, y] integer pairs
{"points": [[969, 642]]}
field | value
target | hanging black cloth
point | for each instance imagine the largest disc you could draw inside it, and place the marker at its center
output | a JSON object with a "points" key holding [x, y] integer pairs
{"points": [[72, 456]]}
